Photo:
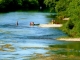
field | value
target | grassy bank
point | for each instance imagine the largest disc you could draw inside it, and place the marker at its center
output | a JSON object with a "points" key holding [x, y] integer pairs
{"points": [[55, 57]]}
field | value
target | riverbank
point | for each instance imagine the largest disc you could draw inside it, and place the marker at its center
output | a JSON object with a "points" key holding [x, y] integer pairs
{"points": [[69, 39], [54, 57], [59, 25]]}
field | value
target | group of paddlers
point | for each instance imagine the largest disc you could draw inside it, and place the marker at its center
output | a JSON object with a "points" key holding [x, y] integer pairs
{"points": [[32, 23]]}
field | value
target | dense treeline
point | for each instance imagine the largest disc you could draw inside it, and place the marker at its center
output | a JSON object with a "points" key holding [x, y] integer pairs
{"points": [[67, 9], [64, 8], [9, 5]]}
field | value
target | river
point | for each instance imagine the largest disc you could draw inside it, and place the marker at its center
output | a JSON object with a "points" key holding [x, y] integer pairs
{"points": [[24, 42]]}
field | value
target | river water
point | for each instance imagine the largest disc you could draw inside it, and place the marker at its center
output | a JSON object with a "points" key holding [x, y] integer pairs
{"points": [[23, 42]]}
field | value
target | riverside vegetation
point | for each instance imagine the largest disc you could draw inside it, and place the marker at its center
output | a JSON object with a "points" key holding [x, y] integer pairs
{"points": [[64, 9], [13, 5], [67, 9]]}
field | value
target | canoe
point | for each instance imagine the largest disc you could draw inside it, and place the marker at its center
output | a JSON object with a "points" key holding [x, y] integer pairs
{"points": [[50, 25]]}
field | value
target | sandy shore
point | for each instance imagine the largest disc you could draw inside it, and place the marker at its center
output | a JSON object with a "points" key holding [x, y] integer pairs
{"points": [[50, 25], [69, 39]]}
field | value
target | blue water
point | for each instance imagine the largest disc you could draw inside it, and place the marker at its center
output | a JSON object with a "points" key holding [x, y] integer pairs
{"points": [[25, 40]]}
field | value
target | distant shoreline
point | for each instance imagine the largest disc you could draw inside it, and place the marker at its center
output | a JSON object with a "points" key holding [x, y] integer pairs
{"points": [[68, 39]]}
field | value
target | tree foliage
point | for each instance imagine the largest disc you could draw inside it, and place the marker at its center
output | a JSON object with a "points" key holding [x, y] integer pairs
{"points": [[20, 4], [51, 4], [64, 8], [70, 9]]}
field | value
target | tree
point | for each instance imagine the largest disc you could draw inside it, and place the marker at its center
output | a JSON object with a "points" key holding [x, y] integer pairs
{"points": [[51, 4], [73, 12], [18, 4]]}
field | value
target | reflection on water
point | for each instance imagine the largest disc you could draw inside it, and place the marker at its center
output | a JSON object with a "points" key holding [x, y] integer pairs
{"points": [[67, 49], [25, 42]]}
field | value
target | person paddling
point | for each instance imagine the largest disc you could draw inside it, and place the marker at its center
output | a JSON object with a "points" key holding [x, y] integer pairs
{"points": [[53, 21], [17, 23], [31, 23]]}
